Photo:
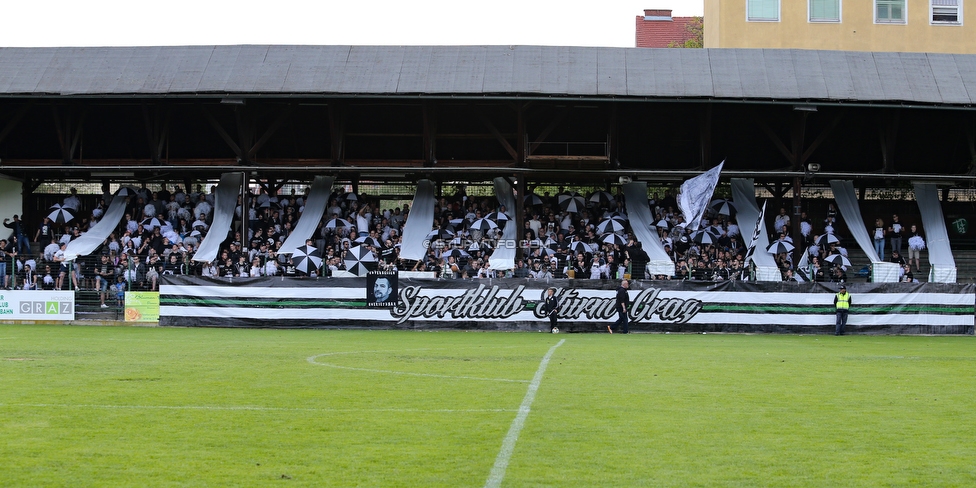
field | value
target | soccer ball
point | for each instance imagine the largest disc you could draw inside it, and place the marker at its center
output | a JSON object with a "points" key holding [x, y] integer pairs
{"points": [[555, 330]]}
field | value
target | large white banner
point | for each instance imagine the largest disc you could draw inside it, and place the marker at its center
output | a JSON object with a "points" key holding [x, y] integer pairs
{"points": [[225, 202], [485, 303], [37, 305], [418, 223]]}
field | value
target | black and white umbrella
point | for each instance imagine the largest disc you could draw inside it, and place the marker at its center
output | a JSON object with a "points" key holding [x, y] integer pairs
{"points": [[617, 216], [612, 238], [838, 259], [704, 237], [369, 241], [126, 191], [497, 216], [601, 198], [352, 197], [779, 247], [662, 224], [579, 246], [551, 243], [483, 225], [723, 207], [458, 224], [573, 205], [457, 253], [533, 199], [566, 195], [60, 214], [306, 259], [358, 260], [151, 223], [827, 239], [610, 225], [440, 234], [337, 222], [545, 251]]}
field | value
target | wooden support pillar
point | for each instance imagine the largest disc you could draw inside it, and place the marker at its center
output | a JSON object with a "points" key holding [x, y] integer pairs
{"points": [[613, 153], [156, 122], [69, 129], [888, 137], [705, 137], [430, 133], [519, 218], [14, 120], [521, 142], [337, 132]]}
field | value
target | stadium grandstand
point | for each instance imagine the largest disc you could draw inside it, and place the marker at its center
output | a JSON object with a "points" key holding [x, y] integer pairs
{"points": [[562, 131]]}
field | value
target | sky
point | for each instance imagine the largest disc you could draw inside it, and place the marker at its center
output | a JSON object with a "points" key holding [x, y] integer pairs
{"points": [[48, 23]]}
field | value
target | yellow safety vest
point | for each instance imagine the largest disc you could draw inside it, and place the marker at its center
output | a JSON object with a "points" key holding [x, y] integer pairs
{"points": [[843, 301]]}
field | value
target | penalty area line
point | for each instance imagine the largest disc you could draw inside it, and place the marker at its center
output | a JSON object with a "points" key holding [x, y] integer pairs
{"points": [[508, 444]]}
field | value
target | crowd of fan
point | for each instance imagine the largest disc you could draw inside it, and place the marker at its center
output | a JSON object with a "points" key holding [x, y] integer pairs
{"points": [[161, 231]]}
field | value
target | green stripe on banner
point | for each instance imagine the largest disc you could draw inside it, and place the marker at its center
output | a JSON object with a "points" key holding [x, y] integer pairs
{"points": [[793, 309]]}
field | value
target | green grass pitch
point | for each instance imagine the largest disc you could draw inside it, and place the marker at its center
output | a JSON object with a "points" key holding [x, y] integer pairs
{"points": [[131, 406]]}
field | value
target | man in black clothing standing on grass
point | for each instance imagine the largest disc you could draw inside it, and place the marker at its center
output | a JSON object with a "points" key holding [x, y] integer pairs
{"points": [[621, 304]]}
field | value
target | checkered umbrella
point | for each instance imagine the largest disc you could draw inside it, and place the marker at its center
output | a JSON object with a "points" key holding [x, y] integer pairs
{"points": [[306, 259], [358, 260], [60, 214]]}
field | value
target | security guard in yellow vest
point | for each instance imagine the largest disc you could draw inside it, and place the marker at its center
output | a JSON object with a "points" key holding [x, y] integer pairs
{"points": [[842, 300]]}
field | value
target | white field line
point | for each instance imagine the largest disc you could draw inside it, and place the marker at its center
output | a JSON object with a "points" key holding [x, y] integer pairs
{"points": [[508, 444], [314, 360], [253, 408]]}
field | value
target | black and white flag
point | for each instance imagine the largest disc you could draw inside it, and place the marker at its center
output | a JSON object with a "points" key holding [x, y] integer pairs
{"points": [[755, 234]]}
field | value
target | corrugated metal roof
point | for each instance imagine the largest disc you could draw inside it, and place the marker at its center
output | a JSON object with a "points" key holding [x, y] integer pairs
{"points": [[774, 74]]}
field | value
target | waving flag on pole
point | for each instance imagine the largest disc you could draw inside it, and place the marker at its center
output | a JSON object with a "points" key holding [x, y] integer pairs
{"points": [[695, 195], [755, 234]]}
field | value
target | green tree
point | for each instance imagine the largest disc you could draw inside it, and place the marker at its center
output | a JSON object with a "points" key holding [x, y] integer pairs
{"points": [[697, 30]]}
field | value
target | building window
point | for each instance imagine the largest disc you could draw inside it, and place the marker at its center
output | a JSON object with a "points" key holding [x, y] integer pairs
{"points": [[762, 10], [825, 10], [947, 12], [889, 11]]}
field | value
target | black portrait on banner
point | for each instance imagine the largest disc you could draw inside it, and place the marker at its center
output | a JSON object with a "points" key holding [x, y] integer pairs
{"points": [[381, 288]]}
